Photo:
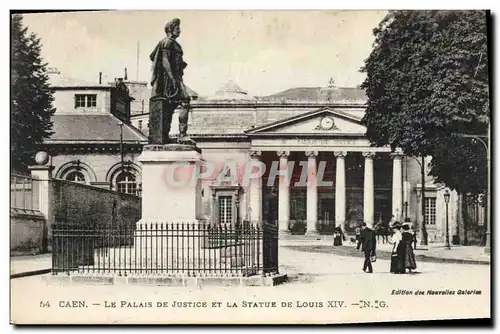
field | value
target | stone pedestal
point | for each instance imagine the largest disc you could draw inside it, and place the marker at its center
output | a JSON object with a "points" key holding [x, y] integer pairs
{"points": [[160, 118], [169, 230], [171, 186]]}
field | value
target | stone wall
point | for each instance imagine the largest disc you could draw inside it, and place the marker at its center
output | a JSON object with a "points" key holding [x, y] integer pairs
{"points": [[27, 233], [79, 203], [80, 210]]}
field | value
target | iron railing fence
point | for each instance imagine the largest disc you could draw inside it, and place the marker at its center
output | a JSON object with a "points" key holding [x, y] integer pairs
{"points": [[24, 193], [157, 248]]}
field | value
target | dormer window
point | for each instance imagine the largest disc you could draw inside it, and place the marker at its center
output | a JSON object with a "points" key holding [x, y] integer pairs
{"points": [[85, 100]]}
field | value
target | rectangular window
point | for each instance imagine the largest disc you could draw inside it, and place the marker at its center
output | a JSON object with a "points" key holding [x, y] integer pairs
{"points": [[92, 101], [79, 101], [430, 211], [225, 209], [85, 100], [139, 126]]}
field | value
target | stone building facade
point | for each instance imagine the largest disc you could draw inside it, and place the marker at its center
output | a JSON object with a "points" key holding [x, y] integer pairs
{"points": [[92, 131], [317, 129], [313, 128]]}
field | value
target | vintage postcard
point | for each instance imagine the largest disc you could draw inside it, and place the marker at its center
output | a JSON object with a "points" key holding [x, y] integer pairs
{"points": [[250, 167]]}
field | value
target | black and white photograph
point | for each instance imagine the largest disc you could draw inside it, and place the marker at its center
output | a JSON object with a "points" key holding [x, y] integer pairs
{"points": [[250, 166]]}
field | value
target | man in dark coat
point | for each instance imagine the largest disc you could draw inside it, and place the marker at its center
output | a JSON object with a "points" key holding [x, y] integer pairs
{"points": [[368, 243]]}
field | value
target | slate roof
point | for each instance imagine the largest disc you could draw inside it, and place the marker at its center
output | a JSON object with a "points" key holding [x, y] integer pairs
{"points": [[191, 92], [232, 87], [85, 128], [316, 93], [230, 92]]}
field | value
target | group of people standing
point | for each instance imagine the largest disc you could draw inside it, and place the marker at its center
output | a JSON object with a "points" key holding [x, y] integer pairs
{"points": [[402, 255]]}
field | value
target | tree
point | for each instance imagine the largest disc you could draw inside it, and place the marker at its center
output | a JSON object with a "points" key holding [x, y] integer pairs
{"points": [[31, 97], [428, 72]]}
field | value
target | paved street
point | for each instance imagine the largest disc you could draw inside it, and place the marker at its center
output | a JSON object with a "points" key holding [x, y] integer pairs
{"points": [[315, 278], [433, 253], [20, 265]]}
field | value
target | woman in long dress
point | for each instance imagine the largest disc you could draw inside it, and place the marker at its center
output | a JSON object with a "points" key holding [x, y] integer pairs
{"points": [[409, 255], [338, 236], [397, 255]]}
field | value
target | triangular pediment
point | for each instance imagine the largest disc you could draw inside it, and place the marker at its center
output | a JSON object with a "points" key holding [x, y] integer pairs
{"points": [[319, 122]]}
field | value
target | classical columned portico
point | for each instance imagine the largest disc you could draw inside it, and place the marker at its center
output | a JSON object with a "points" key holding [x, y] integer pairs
{"points": [[397, 185], [255, 189], [312, 192], [340, 194], [368, 190], [283, 192], [335, 185]]}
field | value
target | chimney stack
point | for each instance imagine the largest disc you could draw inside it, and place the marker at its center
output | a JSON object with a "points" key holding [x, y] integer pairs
{"points": [[125, 74], [100, 78]]}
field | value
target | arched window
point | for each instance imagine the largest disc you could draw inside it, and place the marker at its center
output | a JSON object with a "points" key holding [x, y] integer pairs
{"points": [[126, 183], [75, 176], [76, 171]]}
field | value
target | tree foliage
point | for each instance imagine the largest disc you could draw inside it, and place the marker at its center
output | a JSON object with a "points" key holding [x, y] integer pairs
{"points": [[31, 97], [426, 80]]}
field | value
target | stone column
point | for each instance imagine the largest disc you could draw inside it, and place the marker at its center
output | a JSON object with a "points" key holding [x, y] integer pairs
{"points": [[312, 192], [42, 177], [256, 191], [340, 193], [397, 185], [368, 191], [283, 192]]}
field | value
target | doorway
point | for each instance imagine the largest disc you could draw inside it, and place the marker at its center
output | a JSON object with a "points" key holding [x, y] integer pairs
{"points": [[326, 212]]}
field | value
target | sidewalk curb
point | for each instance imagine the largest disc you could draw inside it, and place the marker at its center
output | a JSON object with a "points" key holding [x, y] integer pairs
{"points": [[419, 257], [31, 273], [457, 261]]}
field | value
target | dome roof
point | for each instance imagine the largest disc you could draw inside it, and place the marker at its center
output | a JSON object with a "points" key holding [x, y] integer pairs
{"points": [[231, 91], [329, 93]]}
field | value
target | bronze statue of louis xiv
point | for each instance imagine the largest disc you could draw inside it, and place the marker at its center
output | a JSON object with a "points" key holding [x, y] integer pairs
{"points": [[168, 89]]}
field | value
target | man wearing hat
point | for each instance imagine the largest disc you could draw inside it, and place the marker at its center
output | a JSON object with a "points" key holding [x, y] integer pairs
{"points": [[167, 80], [368, 243]]}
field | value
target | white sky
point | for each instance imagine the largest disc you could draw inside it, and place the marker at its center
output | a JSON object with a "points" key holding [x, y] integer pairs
{"points": [[264, 52]]}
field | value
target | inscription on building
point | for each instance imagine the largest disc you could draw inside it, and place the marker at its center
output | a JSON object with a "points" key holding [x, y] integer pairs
{"points": [[330, 142]]}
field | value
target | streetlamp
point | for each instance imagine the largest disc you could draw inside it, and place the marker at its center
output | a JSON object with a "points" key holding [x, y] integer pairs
{"points": [[120, 124], [421, 196], [447, 200]]}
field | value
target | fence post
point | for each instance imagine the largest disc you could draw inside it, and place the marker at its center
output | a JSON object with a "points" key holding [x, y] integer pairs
{"points": [[43, 175]]}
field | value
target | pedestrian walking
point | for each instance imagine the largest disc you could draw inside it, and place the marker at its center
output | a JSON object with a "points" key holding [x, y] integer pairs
{"points": [[397, 254], [338, 236], [406, 241], [368, 243], [414, 232]]}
